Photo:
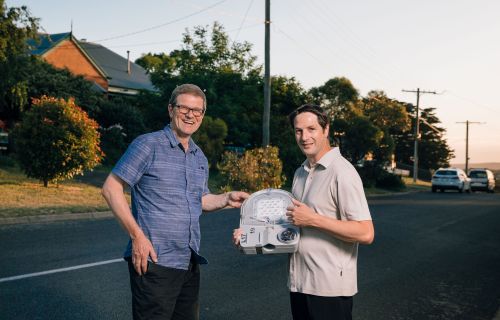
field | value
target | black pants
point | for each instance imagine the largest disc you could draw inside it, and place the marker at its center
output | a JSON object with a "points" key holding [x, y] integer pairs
{"points": [[165, 293], [309, 307]]}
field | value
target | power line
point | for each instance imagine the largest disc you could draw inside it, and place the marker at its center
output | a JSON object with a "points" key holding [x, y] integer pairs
{"points": [[163, 24], [417, 122], [243, 21]]}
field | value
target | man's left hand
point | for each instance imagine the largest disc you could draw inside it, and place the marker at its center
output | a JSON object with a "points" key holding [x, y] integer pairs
{"points": [[300, 214]]}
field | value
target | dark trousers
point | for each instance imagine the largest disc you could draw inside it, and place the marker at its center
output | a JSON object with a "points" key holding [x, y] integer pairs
{"points": [[309, 307], [165, 293]]}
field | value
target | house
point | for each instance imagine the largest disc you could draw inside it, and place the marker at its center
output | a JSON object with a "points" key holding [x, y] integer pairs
{"points": [[109, 72]]}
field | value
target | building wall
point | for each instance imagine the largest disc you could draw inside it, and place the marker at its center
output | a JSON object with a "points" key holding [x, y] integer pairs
{"points": [[67, 55]]}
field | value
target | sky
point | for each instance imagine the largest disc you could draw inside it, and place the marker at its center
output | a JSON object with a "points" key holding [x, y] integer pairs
{"points": [[450, 47]]}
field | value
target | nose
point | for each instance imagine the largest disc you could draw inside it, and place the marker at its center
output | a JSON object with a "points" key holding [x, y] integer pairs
{"points": [[189, 113], [304, 136]]}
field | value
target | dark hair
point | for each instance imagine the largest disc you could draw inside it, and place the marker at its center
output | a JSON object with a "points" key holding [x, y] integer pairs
{"points": [[187, 88], [323, 119]]}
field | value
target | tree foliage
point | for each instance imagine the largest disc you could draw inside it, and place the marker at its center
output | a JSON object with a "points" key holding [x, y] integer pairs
{"points": [[16, 26], [225, 70], [337, 96], [256, 169], [433, 151], [56, 140], [210, 137], [45, 80]]}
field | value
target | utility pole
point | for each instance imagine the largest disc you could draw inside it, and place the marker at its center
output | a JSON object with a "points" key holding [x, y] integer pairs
{"points": [[417, 125], [267, 78], [467, 143]]}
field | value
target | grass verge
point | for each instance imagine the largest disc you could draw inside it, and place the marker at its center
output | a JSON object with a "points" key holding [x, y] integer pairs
{"points": [[21, 196]]}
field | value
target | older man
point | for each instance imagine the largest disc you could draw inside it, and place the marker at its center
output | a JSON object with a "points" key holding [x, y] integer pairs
{"points": [[168, 176]]}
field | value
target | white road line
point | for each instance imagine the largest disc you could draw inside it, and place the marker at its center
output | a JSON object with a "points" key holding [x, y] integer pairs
{"points": [[42, 273]]}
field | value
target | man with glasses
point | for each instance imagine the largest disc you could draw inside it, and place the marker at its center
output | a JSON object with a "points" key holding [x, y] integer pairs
{"points": [[168, 176]]}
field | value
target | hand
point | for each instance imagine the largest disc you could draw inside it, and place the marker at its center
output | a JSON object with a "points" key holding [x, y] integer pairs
{"points": [[300, 214], [141, 250], [235, 198], [237, 236]]}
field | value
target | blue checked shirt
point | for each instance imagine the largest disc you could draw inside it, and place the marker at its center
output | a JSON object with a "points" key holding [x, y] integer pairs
{"points": [[166, 185]]}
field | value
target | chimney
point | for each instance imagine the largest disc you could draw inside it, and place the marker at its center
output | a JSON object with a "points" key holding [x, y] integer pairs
{"points": [[128, 61]]}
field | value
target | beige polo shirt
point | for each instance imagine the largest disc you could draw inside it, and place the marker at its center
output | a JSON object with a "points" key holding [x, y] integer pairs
{"points": [[324, 265]]}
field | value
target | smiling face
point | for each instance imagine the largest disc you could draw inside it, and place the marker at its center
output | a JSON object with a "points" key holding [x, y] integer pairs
{"points": [[184, 125], [311, 138]]}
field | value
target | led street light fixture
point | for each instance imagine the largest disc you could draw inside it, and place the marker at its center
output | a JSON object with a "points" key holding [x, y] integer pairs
{"points": [[265, 226]]}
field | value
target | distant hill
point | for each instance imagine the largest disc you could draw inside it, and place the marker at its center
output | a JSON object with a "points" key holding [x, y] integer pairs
{"points": [[488, 165]]}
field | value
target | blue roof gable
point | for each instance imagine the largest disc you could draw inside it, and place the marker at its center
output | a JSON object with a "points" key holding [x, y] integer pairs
{"points": [[46, 42], [114, 66]]}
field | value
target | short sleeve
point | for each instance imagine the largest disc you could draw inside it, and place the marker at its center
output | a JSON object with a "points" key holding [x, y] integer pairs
{"points": [[134, 161], [206, 190], [351, 196]]}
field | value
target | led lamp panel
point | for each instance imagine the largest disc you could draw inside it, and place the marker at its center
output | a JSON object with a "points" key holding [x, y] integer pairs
{"points": [[265, 226]]}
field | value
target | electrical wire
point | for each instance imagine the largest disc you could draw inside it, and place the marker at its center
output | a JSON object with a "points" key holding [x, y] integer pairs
{"points": [[163, 24], [243, 21]]}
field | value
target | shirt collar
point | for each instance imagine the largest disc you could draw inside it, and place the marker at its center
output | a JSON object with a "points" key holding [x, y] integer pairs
{"points": [[325, 160], [174, 142]]}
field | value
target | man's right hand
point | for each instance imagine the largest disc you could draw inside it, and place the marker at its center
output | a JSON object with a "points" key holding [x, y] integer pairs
{"points": [[237, 236], [142, 249]]}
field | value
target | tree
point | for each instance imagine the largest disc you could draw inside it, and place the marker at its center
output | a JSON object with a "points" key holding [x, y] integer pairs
{"points": [[385, 113], [390, 116], [225, 70], [433, 151], [45, 80], [56, 140], [210, 137], [337, 96], [357, 136], [286, 95], [16, 26]]}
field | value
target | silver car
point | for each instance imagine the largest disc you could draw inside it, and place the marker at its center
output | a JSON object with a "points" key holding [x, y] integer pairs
{"points": [[450, 179], [482, 179]]}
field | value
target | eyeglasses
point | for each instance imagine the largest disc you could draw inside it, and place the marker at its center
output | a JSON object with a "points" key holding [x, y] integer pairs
{"points": [[185, 110]]}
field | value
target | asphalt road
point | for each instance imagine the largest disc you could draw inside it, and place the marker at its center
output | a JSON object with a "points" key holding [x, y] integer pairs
{"points": [[435, 256]]}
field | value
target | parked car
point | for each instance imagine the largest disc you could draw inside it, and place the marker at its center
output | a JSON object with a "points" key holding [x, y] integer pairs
{"points": [[482, 179], [450, 179]]}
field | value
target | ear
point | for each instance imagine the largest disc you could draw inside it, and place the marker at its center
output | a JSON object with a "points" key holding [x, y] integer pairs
{"points": [[170, 111]]}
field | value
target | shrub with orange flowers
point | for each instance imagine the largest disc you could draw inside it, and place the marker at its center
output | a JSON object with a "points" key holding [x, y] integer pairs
{"points": [[56, 140]]}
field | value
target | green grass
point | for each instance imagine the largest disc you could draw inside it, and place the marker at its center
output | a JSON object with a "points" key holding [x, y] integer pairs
{"points": [[21, 196], [417, 186]]}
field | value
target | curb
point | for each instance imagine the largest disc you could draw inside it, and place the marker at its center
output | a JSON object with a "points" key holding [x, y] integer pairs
{"points": [[56, 217]]}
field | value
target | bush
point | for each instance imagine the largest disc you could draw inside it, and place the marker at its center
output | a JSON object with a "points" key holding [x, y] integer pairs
{"points": [[257, 169], [390, 181], [56, 140], [373, 175]]}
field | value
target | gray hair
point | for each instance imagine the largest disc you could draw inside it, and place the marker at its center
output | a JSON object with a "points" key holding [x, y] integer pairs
{"points": [[187, 88]]}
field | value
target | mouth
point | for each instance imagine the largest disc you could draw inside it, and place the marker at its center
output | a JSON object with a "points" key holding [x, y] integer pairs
{"points": [[188, 122]]}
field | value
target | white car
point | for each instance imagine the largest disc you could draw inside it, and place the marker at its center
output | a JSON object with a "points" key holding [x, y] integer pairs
{"points": [[450, 179], [482, 179]]}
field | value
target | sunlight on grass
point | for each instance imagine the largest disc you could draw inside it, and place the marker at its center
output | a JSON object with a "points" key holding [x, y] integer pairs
{"points": [[21, 196]]}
